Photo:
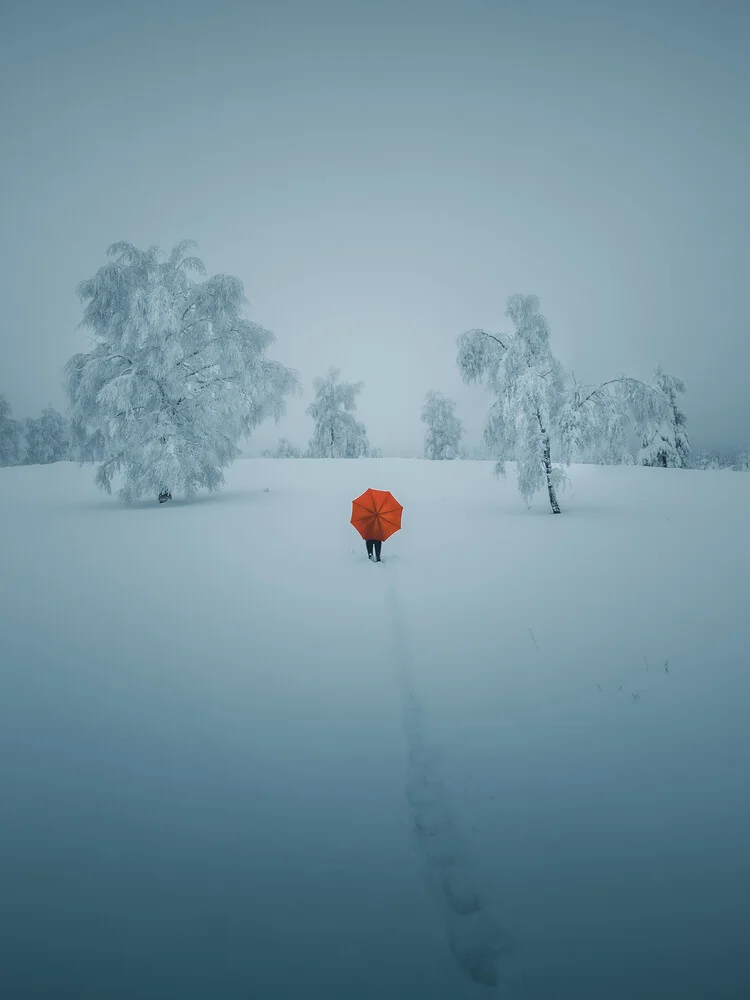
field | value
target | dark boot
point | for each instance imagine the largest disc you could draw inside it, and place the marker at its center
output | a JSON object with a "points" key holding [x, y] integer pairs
{"points": [[164, 496]]}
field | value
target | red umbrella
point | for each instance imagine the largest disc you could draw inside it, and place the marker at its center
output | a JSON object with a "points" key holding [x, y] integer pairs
{"points": [[376, 514]]}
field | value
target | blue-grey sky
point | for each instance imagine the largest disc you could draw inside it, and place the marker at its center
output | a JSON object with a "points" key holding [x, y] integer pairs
{"points": [[383, 175]]}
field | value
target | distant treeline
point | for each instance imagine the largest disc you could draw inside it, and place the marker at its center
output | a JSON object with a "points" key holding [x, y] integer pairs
{"points": [[34, 441]]}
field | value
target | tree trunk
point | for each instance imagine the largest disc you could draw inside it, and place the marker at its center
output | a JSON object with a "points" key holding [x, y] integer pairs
{"points": [[547, 459], [548, 474]]}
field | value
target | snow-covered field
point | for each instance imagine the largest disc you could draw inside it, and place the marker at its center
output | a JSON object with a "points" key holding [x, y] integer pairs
{"points": [[238, 761]]}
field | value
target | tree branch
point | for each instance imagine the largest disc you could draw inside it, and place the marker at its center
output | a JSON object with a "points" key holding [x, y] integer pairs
{"points": [[612, 381], [494, 337], [199, 370]]}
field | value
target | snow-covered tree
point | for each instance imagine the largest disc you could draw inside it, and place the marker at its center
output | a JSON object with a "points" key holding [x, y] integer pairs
{"points": [[176, 376], [742, 463], [10, 435], [536, 407], [666, 444], [444, 429], [284, 449], [47, 438], [528, 384], [706, 461], [595, 425], [597, 421], [337, 434]]}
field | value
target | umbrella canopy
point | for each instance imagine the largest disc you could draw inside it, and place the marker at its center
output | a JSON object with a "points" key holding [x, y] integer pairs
{"points": [[376, 514]]}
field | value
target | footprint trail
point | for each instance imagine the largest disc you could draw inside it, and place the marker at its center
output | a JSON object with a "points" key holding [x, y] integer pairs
{"points": [[477, 941]]}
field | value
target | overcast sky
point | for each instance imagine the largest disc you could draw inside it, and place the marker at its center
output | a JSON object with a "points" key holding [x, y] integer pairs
{"points": [[382, 175]]}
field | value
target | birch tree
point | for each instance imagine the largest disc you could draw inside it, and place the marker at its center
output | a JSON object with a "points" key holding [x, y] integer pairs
{"points": [[528, 386], [176, 376], [537, 408]]}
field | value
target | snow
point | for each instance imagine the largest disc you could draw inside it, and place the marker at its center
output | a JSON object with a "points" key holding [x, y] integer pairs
{"points": [[220, 727]]}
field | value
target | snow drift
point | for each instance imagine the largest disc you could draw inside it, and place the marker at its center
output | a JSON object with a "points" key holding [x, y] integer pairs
{"points": [[239, 760]]}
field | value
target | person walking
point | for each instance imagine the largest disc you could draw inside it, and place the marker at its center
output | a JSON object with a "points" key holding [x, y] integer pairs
{"points": [[376, 515], [376, 545]]}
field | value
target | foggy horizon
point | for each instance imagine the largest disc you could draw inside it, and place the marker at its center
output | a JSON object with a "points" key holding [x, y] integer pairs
{"points": [[382, 180]]}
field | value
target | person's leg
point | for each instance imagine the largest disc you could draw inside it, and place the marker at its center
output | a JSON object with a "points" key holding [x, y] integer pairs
{"points": [[368, 543], [378, 546]]}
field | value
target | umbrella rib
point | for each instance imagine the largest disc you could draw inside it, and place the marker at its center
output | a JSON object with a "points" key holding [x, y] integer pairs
{"points": [[388, 521], [362, 506], [393, 511]]}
